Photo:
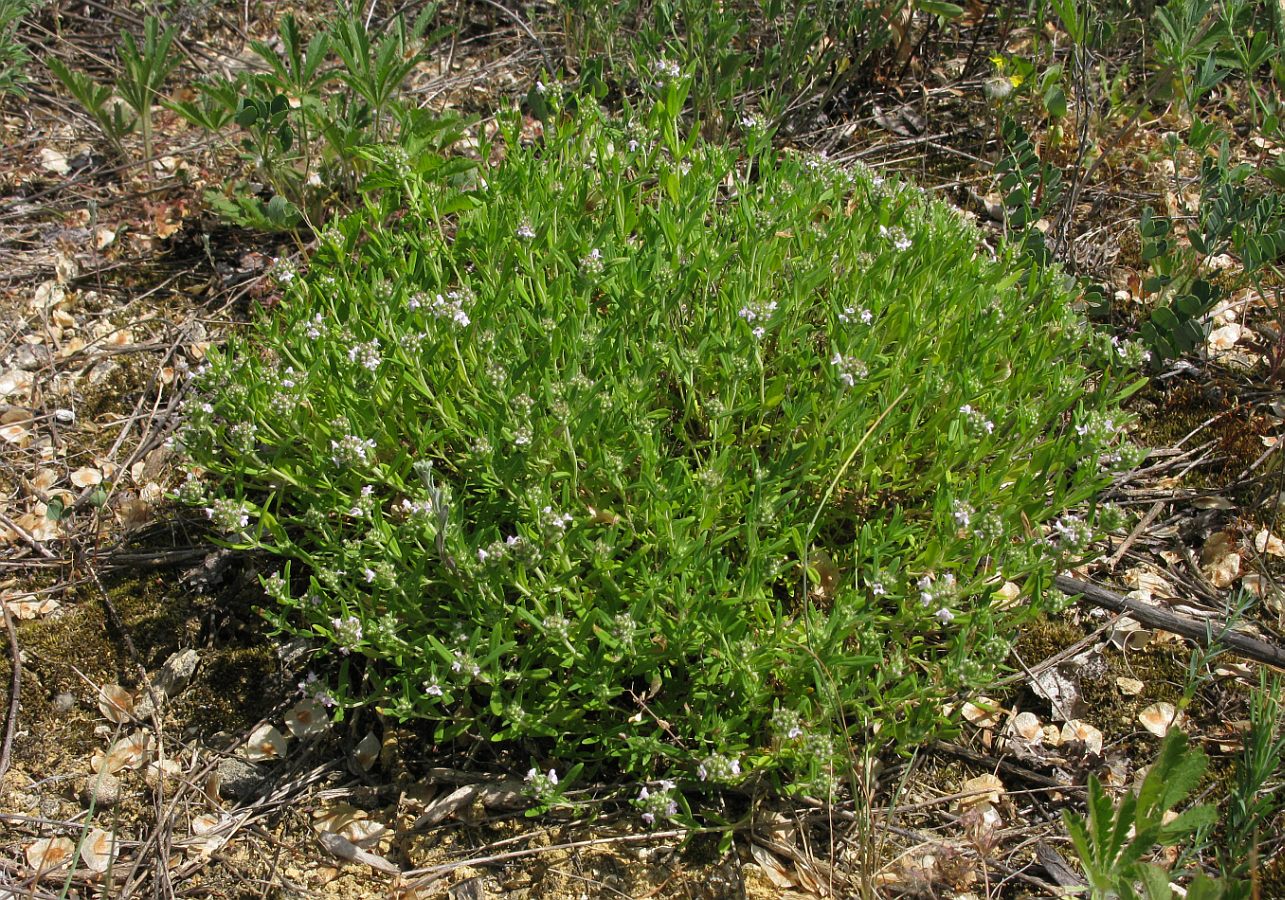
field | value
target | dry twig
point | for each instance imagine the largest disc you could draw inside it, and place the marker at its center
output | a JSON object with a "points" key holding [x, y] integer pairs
{"points": [[1204, 633]]}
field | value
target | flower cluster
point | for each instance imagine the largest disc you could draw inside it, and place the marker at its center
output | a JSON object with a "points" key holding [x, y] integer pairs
{"points": [[859, 313], [1097, 429], [229, 516], [525, 231], [554, 92], [664, 70], [348, 633], [591, 263], [623, 628], [421, 510], [365, 354], [787, 724], [658, 803], [820, 163], [1133, 354], [514, 547], [351, 450], [276, 588], [543, 786], [718, 767], [850, 368], [283, 271], [1111, 517], [192, 490], [364, 505], [243, 436], [939, 592], [1123, 458], [381, 574], [819, 749], [286, 391], [975, 423], [756, 313], [555, 523], [900, 240], [451, 305], [463, 663], [988, 526], [314, 688], [557, 626], [314, 328], [1070, 535]]}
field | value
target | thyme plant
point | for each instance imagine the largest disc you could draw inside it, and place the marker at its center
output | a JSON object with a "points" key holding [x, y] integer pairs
{"points": [[636, 451]]}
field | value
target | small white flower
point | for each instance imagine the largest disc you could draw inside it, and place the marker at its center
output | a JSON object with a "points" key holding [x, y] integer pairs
{"points": [[665, 69], [348, 632], [850, 369], [851, 312]]}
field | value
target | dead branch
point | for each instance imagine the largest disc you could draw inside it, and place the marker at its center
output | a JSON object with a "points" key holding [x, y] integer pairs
{"points": [[15, 684], [1204, 633]]}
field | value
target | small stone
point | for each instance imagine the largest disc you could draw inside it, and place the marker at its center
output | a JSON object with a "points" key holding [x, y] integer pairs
{"points": [[101, 791], [239, 779], [177, 671], [169, 681], [29, 358], [469, 889]]}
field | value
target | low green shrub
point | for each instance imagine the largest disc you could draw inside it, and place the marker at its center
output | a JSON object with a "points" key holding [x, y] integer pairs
{"points": [[776, 55], [299, 123], [641, 452], [125, 106], [14, 57], [1114, 841]]}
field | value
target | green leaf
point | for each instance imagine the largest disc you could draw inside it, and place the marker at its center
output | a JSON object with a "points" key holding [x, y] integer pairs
{"points": [[1187, 822], [1188, 306], [1204, 888], [1069, 12], [1165, 320], [1055, 101], [56, 510], [1155, 882], [940, 8]]}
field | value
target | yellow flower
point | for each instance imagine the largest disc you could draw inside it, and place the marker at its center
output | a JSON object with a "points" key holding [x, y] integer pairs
{"points": [[998, 62], [1016, 80]]}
